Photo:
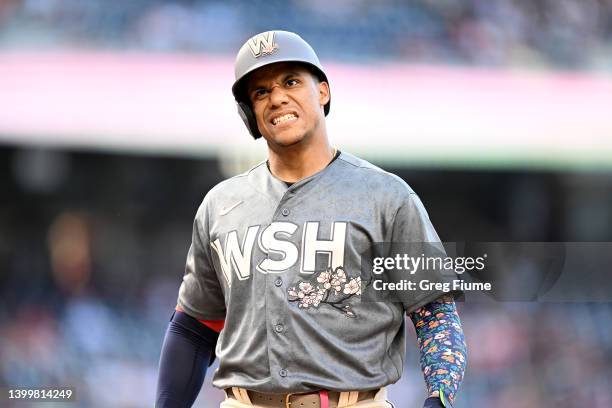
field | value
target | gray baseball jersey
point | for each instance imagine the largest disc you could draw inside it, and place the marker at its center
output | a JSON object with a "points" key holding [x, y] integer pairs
{"points": [[281, 265]]}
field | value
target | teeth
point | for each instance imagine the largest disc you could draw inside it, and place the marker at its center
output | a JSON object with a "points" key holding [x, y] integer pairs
{"points": [[281, 119]]}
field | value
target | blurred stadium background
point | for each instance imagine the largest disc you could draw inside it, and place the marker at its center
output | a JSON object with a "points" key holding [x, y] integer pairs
{"points": [[116, 117]]}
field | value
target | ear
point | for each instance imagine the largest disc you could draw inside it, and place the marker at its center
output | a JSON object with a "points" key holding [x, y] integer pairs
{"points": [[323, 93]]}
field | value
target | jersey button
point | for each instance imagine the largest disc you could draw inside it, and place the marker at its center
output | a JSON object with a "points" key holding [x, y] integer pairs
{"points": [[278, 282], [278, 328], [282, 372], [285, 212]]}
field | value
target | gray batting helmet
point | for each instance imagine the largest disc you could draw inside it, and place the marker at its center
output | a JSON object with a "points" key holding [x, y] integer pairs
{"points": [[264, 49]]}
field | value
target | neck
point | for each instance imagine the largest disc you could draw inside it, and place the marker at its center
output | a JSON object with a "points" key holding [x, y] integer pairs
{"points": [[294, 163]]}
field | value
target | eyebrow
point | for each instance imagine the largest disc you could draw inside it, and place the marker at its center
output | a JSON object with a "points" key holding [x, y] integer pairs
{"points": [[257, 84]]}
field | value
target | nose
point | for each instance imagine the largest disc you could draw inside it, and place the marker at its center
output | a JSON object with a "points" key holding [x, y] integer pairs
{"points": [[278, 96]]}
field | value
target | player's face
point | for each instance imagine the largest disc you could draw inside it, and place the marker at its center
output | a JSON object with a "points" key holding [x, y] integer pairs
{"points": [[288, 103]]}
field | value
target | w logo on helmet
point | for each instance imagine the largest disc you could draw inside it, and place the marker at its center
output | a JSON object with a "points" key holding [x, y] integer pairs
{"points": [[263, 44]]}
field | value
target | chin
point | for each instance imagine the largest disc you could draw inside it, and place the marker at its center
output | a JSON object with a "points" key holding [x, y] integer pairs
{"points": [[287, 139]]}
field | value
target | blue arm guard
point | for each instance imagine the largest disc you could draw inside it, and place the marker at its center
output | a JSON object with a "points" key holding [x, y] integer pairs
{"points": [[187, 351]]}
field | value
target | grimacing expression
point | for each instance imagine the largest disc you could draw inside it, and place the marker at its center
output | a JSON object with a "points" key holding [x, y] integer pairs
{"points": [[287, 100]]}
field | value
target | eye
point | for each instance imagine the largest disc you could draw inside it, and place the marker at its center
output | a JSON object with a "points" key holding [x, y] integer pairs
{"points": [[292, 82], [259, 93]]}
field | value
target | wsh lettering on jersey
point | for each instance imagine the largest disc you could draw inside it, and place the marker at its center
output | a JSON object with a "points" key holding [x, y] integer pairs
{"points": [[280, 239]]}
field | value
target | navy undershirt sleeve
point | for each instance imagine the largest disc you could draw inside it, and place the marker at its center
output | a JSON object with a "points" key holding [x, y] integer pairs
{"points": [[187, 351]]}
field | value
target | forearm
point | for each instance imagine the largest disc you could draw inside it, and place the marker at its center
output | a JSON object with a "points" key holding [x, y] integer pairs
{"points": [[442, 346], [186, 353]]}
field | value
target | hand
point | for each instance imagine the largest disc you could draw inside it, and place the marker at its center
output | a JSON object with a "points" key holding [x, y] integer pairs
{"points": [[433, 402]]}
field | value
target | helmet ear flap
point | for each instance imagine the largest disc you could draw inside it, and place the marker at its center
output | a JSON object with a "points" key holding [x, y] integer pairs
{"points": [[248, 117]]}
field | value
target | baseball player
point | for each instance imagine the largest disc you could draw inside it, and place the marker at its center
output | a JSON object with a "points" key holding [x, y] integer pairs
{"points": [[272, 282]]}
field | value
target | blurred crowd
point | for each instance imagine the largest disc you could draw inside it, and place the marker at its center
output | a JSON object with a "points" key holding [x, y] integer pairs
{"points": [[559, 33], [92, 248]]}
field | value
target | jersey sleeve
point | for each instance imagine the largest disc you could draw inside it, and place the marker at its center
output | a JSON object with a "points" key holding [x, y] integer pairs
{"points": [[201, 294], [413, 234]]}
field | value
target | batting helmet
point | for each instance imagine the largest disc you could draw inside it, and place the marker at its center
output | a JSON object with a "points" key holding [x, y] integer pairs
{"points": [[264, 49]]}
